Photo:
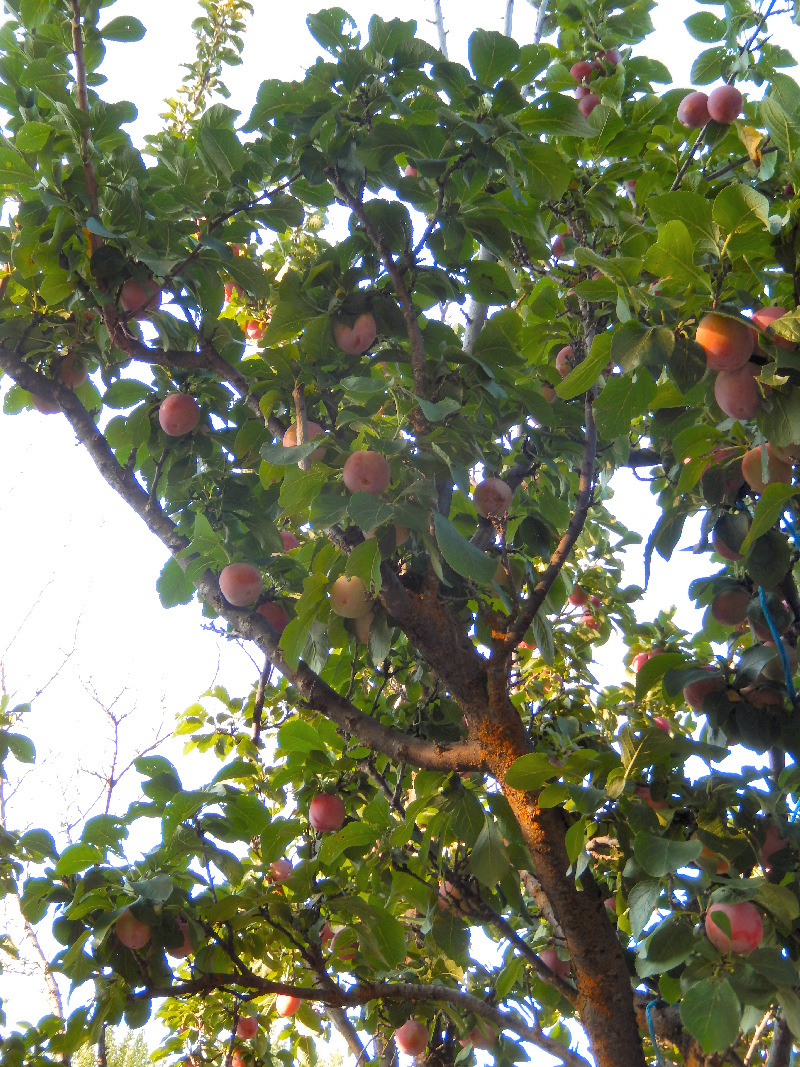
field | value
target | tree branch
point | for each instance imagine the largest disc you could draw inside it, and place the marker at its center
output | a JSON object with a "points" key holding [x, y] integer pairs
{"points": [[354, 996], [315, 694], [83, 104]]}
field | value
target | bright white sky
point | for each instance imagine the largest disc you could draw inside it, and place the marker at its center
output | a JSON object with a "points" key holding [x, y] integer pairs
{"points": [[79, 570]]}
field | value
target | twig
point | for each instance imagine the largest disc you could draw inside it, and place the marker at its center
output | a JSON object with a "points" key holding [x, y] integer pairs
{"points": [[439, 20], [539, 27], [83, 104], [258, 703], [299, 398], [509, 15]]}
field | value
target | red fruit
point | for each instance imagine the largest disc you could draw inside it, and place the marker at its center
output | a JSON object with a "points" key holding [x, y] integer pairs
{"points": [[695, 692], [255, 330], [367, 472], [595, 601], [643, 792], [579, 597], [773, 842], [729, 533], [185, 949], [349, 597], [612, 57], [763, 318], [492, 497], [286, 1005], [313, 429], [589, 620], [661, 723], [356, 339], [481, 1036], [581, 71], [410, 172], [763, 696], [729, 607], [327, 812], [693, 111], [558, 245], [727, 343], [747, 927], [274, 614], [231, 288], [178, 413], [326, 935], [72, 371], [412, 1038], [725, 103], [289, 540], [137, 299], [581, 91], [641, 658], [565, 360], [130, 931], [343, 945], [549, 393], [778, 470], [736, 392], [561, 968], [44, 406], [240, 584], [247, 1027], [588, 103], [280, 870]]}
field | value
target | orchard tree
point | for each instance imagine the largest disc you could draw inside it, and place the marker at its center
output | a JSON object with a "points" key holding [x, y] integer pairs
{"points": [[403, 507]]}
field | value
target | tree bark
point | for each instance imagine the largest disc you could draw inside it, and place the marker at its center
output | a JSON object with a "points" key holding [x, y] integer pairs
{"points": [[780, 1051]]}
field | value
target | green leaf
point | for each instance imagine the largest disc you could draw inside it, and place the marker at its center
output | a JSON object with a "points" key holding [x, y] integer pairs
{"points": [[126, 393], [56, 287], [531, 771], [662, 855], [672, 256], [353, 835], [77, 858], [575, 837], [21, 747], [704, 26], [489, 860], [288, 455], [780, 901], [172, 586], [642, 901], [463, 557], [364, 562], [492, 56], [299, 736], [586, 373], [738, 208], [668, 945], [693, 210], [783, 129], [708, 66], [654, 670], [622, 400], [770, 505], [790, 1006], [123, 28], [710, 1011], [368, 511], [182, 807], [33, 136], [440, 410]]}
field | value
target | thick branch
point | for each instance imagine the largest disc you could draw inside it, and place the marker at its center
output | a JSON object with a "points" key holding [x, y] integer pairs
{"points": [[315, 694], [363, 994], [476, 312]]}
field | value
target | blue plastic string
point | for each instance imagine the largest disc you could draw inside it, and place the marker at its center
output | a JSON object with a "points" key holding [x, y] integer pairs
{"points": [[651, 1028], [776, 637], [795, 811]]}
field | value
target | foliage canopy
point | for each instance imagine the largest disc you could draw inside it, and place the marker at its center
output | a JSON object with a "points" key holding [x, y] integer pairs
{"points": [[488, 781]]}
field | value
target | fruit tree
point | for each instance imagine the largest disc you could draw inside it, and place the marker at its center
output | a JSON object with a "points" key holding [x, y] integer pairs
{"points": [[365, 361]]}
